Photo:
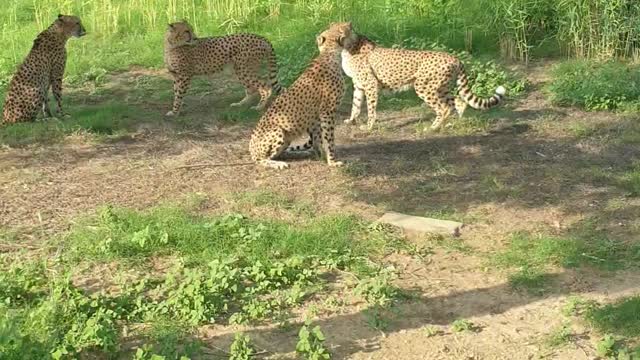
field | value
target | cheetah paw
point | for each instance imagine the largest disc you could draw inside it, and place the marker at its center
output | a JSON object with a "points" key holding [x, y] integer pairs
{"points": [[349, 121], [170, 113], [258, 107], [278, 165], [336, 164]]}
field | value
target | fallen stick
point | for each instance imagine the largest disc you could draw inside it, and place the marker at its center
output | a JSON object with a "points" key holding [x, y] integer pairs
{"points": [[213, 165]]}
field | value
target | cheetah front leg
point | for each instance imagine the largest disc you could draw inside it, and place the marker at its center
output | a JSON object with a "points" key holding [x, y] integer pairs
{"points": [[46, 110], [371, 93], [57, 74], [356, 107], [327, 129], [180, 86]]}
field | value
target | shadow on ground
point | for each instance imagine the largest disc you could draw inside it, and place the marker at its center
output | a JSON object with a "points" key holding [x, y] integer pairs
{"points": [[352, 333]]}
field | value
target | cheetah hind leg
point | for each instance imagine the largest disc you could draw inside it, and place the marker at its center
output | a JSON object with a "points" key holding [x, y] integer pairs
{"points": [[460, 106], [275, 145], [311, 147], [46, 110]]}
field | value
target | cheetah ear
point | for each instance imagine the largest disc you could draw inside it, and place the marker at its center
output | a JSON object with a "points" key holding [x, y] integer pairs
{"points": [[320, 40], [171, 26], [60, 16]]}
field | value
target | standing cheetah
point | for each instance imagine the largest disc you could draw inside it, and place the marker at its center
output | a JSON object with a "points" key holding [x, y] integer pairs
{"points": [[42, 69], [309, 106], [186, 56], [430, 73]]}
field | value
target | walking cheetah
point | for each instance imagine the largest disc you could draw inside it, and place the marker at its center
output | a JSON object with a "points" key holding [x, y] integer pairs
{"points": [[430, 73], [43, 68], [186, 56], [309, 106]]}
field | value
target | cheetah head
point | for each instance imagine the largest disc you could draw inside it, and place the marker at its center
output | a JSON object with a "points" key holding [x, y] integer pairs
{"points": [[338, 35], [70, 25], [180, 33]]}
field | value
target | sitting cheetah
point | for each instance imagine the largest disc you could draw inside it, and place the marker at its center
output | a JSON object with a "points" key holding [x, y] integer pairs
{"points": [[309, 106], [186, 56], [42, 69], [430, 73]]}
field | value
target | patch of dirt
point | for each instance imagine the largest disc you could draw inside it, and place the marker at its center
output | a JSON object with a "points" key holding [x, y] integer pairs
{"points": [[523, 174]]}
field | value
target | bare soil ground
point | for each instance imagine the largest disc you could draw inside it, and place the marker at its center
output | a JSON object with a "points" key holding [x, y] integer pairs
{"points": [[523, 168]]}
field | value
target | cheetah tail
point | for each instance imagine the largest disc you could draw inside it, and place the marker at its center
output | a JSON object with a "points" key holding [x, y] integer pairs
{"points": [[474, 101], [272, 66]]}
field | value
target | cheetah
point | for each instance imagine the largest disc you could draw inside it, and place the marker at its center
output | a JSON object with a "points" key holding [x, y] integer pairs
{"points": [[429, 73], [309, 106], [186, 56], [43, 68]]}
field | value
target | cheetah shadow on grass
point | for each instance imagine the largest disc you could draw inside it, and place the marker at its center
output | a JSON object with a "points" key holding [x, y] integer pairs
{"points": [[508, 165]]}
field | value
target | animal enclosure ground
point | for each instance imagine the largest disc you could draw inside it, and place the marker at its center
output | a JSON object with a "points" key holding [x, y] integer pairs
{"points": [[546, 266]]}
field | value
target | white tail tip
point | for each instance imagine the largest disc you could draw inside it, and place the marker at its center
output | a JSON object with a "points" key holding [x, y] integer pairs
{"points": [[501, 90]]}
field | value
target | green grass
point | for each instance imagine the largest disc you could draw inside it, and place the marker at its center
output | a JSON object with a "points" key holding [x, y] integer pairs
{"points": [[630, 181], [529, 257], [595, 85], [104, 120], [582, 249], [532, 280], [271, 200], [560, 336], [619, 318], [120, 33], [121, 233], [222, 269]]}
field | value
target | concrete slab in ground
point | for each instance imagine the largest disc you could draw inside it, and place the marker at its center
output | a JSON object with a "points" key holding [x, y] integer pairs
{"points": [[422, 224]]}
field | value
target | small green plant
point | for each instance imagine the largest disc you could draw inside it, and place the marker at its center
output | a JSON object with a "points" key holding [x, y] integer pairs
{"points": [[615, 349], [378, 290], [606, 346], [431, 331], [22, 283], [560, 336], [577, 306], [375, 318], [311, 343], [241, 348], [462, 325]]}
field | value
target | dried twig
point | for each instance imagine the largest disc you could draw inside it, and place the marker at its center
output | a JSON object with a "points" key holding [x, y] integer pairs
{"points": [[213, 165]]}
